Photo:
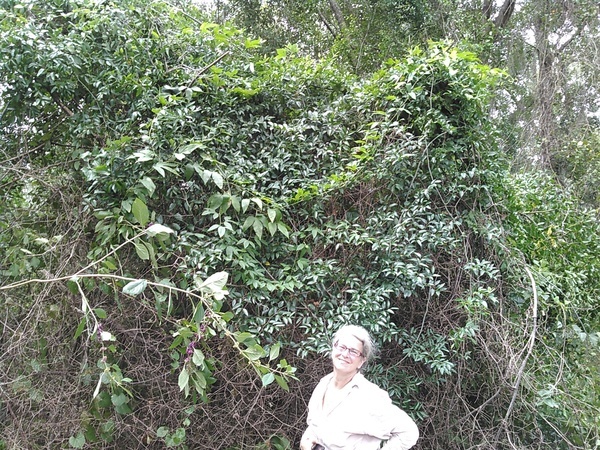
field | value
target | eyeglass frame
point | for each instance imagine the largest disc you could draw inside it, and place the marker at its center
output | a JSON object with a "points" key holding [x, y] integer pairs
{"points": [[352, 352]]}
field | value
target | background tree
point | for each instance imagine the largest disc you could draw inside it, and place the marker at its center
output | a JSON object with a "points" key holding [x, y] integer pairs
{"points": [[548, 47], [362, 34]]}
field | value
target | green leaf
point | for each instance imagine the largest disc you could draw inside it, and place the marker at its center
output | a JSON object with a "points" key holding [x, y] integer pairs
{"points": [[245, 204], [218, 179], [149, 185], [199, 313], [254, 352], [258, 202], [257, 226], [283, 229], [274, 351], [235, 202], [282, 383], [77, 441], [199, 382], [243, 336], [162, 432], [80, 328], [160, 167], [157, 229], [141, 250], [252, 43], [184, 378], [140, 212], [248, 222], [135, 287], [216, 282], [100, 313], [268, 378], [272, 213], [123, 409], [198, 358], [119, 399]]}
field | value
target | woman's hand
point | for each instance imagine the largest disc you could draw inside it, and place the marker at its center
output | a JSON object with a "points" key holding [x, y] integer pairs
{"points": [[307, 442]]}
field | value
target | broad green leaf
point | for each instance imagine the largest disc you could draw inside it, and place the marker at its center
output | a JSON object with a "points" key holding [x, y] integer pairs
{"points": [[149, 185], [198, 358], [184, 378], [162, 432], [274, 351], [160, 167], [141, 250], [215, 282], [243, 336], [158, 229], [272, 213], [248, 222], [282, 383], [77, 441], [268, 378], [198, 313], [258, 228], [140, 212], [245, 204], [254, 352], [252, 43], [123, 409], [258, 202], [135, 287], [205, 175], [218, 179], [235, 202], [119, 399], [199, 382], [283, 229]]}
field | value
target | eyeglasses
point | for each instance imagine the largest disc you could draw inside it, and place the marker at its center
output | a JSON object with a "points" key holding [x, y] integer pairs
{"points": [[352, 352]]}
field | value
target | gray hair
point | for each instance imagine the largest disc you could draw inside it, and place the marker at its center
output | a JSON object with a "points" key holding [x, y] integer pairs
{"points": [[369, 348]]}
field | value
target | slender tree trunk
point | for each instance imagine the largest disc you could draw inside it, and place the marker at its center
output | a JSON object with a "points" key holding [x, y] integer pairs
{"points": [[337, 13], [506, 11], [487, 8]]}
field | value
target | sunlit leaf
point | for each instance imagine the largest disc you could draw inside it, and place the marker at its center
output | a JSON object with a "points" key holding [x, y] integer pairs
{"points": [[135, 287], [157, 229], [268, 378]]}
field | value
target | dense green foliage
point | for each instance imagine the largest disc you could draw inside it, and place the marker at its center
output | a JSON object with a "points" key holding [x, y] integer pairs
{"points": [[186, 217]]}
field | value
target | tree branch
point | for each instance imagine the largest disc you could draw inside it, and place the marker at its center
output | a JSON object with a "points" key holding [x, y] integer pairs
{"points": [[327, 24], [204, 69], [506, 11]]}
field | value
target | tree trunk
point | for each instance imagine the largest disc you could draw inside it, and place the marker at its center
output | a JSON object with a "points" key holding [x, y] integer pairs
{"points": [[506, 12], [337, 13]]}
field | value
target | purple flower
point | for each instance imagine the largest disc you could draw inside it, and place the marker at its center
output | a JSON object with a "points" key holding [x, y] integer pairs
{"points": [[190, 348]]}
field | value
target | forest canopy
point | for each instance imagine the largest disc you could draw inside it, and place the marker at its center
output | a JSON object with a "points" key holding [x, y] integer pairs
{"points": [[189, 211]]}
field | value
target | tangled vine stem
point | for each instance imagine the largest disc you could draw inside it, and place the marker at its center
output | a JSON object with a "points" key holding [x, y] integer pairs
{"points": [[215, 318], [521, 371]]}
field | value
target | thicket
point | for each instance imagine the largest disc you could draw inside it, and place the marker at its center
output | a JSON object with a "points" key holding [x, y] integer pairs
{"points": [[185, 221]]}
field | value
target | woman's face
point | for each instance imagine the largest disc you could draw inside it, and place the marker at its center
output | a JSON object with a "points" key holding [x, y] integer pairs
{"points": [[347, 354]]}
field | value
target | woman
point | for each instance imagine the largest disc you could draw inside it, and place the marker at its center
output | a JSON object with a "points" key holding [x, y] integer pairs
{"points": [[346, 411]]}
